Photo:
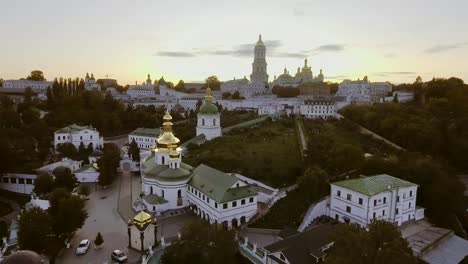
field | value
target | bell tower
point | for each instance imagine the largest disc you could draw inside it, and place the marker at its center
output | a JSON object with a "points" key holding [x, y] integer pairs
{"points": [[259, 65]]}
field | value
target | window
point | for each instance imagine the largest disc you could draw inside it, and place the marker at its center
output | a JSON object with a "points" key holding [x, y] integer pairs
{"points": [[5, 179], [373, 215], [385, 200], [242, 201], [237, 185], [338, 193], [81, 137], [207, 200], [348, 209], [21, 181], [29, 181], [398, 199], [251, 200], [396, 211], [225, 206], [214, 122], [383, 212], [360, 201], [234, 204], [91, 137], [203, 121], [375, 202], [349, 197], [409, 205], [216, 205], [411, 193], [162, 193], [13, 180]]}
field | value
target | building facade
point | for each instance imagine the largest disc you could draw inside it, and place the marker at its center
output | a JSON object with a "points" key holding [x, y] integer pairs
{"points": [[208, 118], [76, 135], [91, 84], [36, 86], [303, 75], [144, 137], [318, 108], [381, 197], [168, 183], [364, 91]]}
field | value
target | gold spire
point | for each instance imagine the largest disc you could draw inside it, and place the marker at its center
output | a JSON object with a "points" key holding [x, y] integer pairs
{"points": [[208, 96], [167, 137]]}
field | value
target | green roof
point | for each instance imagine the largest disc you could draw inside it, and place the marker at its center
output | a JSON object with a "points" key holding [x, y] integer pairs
{"points": [[154, 199], [374, 184], [208, 108], [163, 172], [217, 185], [73, 128], [145, 132]]}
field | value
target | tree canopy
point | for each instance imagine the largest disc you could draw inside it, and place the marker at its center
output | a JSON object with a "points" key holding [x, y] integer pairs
{"points": [[213, 82], [36, 76]]}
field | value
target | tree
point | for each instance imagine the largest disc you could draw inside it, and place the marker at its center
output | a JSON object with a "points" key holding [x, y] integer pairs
{"points": [[162, 81], [65, 179], [180, 86], [69, 216], [381, 244], [7, 156], [108, 164], [28, 94], [43, 184], [34, 228], [99, 240], [236, 95], [314, 183], [346, 157], [67, 150], [226, 95], [56, 196], [134, 151], [213, 83], [36, 76], [202, 243]]}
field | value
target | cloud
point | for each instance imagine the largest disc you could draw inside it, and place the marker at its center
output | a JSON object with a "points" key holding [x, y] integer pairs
{"points": [[330, 47], [175, 54], [390, 55], [387, 73], [443, 48], [242, 50]]}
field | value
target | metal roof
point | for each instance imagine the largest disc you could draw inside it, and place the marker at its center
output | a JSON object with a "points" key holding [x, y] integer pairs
{"points": [[374, 184]]}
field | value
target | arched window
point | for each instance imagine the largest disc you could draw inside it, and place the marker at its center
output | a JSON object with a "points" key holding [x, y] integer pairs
{"points": [[179, 194], [162, 160], [162, 193], [151, 190], [203, 121], [214, 121]]}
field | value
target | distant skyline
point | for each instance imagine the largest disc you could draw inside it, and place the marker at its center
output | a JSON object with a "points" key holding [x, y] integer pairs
{"points": [[386, 40]]}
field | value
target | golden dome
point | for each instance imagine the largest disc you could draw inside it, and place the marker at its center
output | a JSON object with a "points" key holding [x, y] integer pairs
{"points": [[167, 137]]}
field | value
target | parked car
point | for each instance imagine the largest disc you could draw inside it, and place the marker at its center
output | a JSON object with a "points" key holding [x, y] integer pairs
{"points": [[83, 247], [118, 256]]}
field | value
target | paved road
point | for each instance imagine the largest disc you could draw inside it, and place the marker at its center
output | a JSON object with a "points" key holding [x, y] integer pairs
{"points": [[103, 217]]}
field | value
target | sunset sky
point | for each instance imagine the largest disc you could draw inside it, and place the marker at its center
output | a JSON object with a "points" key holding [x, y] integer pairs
{"points": [[127, 39]]}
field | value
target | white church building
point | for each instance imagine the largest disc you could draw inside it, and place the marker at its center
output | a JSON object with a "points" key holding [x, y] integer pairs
{"points": [[209, 121], [76, 135], [168, 183]]}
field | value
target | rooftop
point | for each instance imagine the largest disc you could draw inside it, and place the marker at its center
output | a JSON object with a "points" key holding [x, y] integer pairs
{"points": [[154, 199], [300, 248], [145, 132], [374, 184], [217, 185], [73, 128]]}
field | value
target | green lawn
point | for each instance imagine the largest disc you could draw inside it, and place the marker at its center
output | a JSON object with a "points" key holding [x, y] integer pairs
{"points": [[268, 152]]}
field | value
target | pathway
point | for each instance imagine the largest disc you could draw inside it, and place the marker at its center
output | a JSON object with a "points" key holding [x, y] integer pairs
{"points": [[300, 130], [366, 131]]}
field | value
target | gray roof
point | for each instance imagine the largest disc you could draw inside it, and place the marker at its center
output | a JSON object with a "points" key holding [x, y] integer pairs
{"points": [[298, 249], [374, 184], [438, 246], [154, 199], [217, 185], [163, 172]]}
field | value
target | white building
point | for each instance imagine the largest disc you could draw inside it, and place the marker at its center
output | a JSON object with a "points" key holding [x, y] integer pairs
{"points": [[318, 108], [91, 84], [84, 173], [144, 137], [209, 119], [168, 183], [364, 91], [18, 183], [76, 135], [145, 90], [380, 197], [36, 86]]}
